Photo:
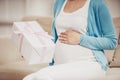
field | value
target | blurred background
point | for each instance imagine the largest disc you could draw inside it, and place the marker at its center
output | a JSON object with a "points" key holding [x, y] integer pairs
{"points": [[16, 10], [12, 65]]}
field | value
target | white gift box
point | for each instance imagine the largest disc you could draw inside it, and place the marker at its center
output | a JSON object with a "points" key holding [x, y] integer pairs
{"points": [[34, 44]]}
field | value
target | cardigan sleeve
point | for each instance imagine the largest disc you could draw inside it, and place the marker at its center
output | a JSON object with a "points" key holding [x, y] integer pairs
{"points": [[108, 40]]}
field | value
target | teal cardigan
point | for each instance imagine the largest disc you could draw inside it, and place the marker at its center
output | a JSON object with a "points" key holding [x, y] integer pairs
{"points": [[100, 34]]}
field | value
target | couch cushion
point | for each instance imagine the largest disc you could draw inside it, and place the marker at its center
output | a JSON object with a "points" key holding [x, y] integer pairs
{"points": [[45, 22], [18, 70], [116, 60], [8, 51], [111, 53], [111, 77], [116, 56], [111, 74], [113, 71]]}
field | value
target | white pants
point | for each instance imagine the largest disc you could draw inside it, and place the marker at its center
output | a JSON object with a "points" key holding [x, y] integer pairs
{"points": [[69, 71]]}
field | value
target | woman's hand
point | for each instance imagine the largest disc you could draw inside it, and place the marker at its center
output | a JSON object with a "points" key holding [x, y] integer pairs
{"points": [[70, 37]]}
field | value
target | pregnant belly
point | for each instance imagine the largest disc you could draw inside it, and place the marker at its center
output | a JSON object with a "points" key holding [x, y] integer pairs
{"points": [[65, 53]]}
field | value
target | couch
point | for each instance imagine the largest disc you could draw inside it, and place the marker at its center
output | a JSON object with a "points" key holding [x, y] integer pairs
{"points": [[14, 67]]}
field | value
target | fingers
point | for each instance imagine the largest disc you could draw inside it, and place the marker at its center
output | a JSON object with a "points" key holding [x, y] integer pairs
{"points": [[63, 40], [69, 37], [64, 33], [63, 37]]}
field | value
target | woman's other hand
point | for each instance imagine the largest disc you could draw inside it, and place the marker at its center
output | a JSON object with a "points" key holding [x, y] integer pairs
{"points": [[70, 37]]}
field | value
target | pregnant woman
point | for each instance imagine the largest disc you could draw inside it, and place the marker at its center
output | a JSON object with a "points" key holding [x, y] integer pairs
{"points": [[82, 30]]}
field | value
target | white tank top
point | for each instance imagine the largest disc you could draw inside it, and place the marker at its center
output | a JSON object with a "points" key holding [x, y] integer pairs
{"points": [[76, 20]]}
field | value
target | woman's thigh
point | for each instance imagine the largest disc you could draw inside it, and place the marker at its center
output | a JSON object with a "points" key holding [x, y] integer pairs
{"points": [[69, 71]]}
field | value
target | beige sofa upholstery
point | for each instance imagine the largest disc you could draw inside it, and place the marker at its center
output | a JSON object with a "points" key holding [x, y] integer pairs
{"points": [[14, 67]]}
